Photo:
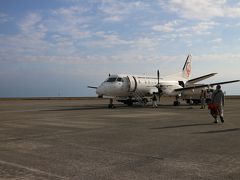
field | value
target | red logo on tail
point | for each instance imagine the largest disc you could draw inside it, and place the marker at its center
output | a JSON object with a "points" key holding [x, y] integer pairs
{"points": [[188, 69]]}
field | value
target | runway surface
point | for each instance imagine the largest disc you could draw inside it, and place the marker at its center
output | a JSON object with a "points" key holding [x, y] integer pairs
{"points": [[83, 139]]}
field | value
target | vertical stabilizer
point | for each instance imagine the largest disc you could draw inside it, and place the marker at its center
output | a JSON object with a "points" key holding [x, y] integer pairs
{"points": [[187, 68]]}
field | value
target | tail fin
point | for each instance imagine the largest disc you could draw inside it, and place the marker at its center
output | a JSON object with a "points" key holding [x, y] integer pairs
{"points": [[187, 68]]}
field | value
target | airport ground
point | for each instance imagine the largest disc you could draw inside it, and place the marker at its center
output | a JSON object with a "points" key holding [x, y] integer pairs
{"points": [[83, 139]]}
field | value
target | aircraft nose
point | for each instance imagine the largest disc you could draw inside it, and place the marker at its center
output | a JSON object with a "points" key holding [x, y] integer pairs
{"points": [[99, 90]]}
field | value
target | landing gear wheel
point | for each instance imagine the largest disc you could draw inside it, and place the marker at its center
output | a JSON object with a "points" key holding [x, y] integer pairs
{"points": [[111, 106], [129, 102]]}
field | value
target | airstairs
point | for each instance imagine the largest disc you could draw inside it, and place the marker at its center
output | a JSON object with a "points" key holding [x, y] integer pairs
{"points": [[139, 97]]}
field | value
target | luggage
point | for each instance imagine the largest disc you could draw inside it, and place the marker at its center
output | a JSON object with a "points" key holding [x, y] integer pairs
{"points": [[213, 108]]}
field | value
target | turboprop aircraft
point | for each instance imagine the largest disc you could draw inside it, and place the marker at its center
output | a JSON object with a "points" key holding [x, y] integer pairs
{"points": [[127, 88]]}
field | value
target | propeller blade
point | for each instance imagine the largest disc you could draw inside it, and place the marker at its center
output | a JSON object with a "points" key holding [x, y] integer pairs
{"points": [[158, 85]]}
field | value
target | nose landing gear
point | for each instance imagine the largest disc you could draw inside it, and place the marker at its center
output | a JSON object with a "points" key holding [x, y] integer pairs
{"points": [[111, 105]]}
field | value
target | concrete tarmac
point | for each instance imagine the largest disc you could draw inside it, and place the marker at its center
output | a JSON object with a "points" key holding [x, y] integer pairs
{"points": [[83, 139]]}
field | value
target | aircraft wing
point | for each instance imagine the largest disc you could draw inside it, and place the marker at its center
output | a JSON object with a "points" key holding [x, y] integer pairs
{"points": [[195, 80], [204, 85]]}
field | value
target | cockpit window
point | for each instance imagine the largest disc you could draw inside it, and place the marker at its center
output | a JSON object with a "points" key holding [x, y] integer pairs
{"points": [[111, 79], [119, 79]]}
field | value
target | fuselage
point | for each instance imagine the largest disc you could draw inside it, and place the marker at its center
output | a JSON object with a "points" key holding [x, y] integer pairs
{"points": [[127, 85], [140, 86]]}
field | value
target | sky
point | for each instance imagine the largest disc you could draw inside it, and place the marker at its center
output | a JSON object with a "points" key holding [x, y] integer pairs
{"points": [[59, 47]]}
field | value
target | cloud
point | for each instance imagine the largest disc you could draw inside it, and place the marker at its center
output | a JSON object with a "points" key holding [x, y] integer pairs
{"points": [[233, 12], [70, 21], [116, 11], [201, 10], [58, 32], [29, 39], [5, 18], [167, 27], [183, 29], [28, 24], [113, 18], [75, 34], [229, 57], [111, 39], [204, 27], [217, 40], [70, 11]]}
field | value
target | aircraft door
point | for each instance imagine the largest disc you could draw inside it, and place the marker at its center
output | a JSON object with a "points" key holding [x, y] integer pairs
{"points": [[132, 83]]}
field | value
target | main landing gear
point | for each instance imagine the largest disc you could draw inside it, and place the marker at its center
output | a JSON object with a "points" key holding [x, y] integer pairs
{"points": [[176, 103], [129, 101]]}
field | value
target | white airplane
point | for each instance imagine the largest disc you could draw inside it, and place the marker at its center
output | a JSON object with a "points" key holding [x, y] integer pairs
{"points": [[128, 88]]}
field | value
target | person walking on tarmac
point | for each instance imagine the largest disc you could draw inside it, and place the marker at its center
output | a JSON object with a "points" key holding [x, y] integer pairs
{"points": [[154, 101], [209, 95], [203, 99], [218, 104]]}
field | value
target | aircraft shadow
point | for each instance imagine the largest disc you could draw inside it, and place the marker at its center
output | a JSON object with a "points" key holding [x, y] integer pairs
{"points": [[78, 108], [219, 131], [117, 106], [174, 107], [184, 125]]}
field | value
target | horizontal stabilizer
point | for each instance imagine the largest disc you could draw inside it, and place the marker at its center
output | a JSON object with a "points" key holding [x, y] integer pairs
{"points": [[93, 87], [205, 85], [195, 80]]}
